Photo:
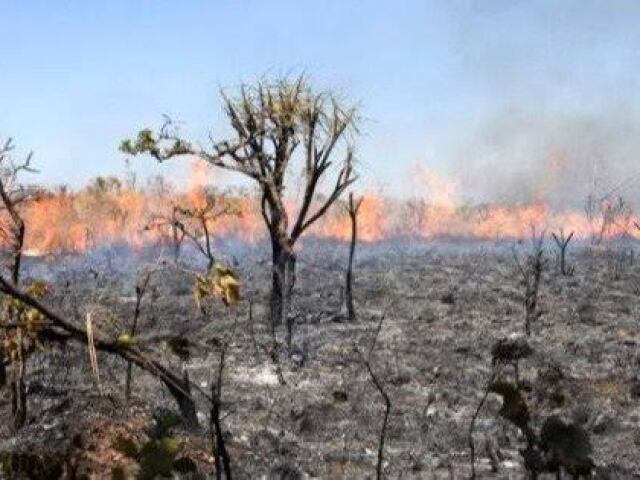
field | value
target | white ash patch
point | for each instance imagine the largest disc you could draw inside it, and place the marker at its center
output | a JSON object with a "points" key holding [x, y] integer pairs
{"points": [[262, 375]]}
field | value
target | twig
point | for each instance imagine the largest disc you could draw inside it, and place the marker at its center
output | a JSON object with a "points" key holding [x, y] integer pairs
{"points": [[220, 452], [352, 210], [472, 447], [387, 401], [141, 289], [93, 358]]}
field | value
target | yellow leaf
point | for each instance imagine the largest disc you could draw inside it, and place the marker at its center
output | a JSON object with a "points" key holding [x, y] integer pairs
{"points": [[222, 283], [227, 285], [125, 340], [38, 289]]}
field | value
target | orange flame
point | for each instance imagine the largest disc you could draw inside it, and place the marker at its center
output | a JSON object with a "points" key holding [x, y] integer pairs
{"points": [[111, 212]]}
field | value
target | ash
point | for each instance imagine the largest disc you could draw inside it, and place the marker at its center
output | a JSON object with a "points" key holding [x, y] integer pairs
{"points": [[445, 305]]}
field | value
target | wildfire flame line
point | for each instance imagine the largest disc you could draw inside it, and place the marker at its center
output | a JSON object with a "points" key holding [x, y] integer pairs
{"points": [[109, 212]]}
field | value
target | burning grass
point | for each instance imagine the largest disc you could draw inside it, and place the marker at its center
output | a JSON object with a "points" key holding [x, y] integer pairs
{"points": [[110, 212]]}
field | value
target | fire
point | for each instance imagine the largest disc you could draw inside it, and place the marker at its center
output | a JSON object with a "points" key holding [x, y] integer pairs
{"points": [[111, 212]]}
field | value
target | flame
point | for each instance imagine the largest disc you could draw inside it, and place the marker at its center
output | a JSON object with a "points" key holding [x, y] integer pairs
{"points": [[111, 212]]}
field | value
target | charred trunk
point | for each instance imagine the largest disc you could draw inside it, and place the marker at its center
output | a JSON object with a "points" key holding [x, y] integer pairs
{"points": [[18, 384], [354, 206], [19, 402], [351, 310], [3, 368], [19, 390], [276, 306], [182, 394], [282, 282], [177, 243]]}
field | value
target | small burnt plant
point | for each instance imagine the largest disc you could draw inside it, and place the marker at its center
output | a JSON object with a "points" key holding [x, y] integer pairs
{"points": [[557, 446], [562, 242], [531, 270], [157, 456]]}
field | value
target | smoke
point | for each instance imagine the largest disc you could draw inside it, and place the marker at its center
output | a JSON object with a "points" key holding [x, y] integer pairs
{"points": [[552, 110], [554, 158]]}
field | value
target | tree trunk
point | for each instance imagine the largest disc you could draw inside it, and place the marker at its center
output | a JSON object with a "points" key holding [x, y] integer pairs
{"points": [[19, 390], [351, 311], [19, 402], [176, 244], [3, 368], [19, 386], [282, 282], [182, 395], [276, 305]]}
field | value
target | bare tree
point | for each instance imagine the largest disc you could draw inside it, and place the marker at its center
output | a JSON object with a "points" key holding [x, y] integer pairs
{"points": [[275, 123], [141, 290], [170, 223], [608, 216], [531, 272], [196, 223], [353, 207], [562, 242], [13, 195]]}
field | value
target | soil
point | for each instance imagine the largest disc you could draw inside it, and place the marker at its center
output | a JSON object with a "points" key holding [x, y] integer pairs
{"points": [[439, 308]]}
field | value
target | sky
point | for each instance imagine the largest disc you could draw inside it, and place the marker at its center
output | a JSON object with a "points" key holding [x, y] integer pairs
{"points": [[487, 91]]}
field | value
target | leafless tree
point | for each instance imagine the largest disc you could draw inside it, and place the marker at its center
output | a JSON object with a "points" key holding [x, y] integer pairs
{"points": [[562, 242], [196, 223], [608, 216], [531, 272], [13, 195], [353, 207], [274, 123], [169, 223], [141, 290]]}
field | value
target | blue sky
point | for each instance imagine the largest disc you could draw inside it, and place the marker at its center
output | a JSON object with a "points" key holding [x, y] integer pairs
{"points": [[433, 78]]}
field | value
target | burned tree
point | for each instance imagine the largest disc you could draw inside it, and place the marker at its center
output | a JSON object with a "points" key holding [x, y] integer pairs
{"points": [[607, 215], [13, 195], [562, 242], [13, 349], [275, 124], [195, 223], [353, 207], [169, 223], [531, 271], [141, 290]]}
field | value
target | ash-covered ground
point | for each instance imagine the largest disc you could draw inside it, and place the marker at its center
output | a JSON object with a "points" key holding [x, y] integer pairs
{"points": [[444, 305]]}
